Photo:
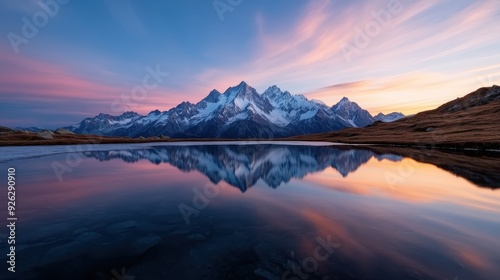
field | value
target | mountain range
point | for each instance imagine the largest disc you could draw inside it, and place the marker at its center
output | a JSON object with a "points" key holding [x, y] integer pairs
{"points": [[469, 122], [239, 112]]}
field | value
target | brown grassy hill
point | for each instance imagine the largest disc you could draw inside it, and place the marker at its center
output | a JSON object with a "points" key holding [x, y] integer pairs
{"points": [[472, 121]]}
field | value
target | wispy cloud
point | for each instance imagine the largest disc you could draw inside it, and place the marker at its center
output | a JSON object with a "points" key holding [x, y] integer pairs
{"points": [[44, 89], [124, 12], [402, 68], [41, 80], [430, 52]]}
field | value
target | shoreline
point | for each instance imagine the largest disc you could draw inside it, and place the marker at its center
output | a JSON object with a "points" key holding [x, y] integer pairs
{"points": [[479, 166], [104, 140]]}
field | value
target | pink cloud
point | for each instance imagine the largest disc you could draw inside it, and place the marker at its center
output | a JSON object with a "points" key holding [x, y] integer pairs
{"points": [[402, 68], [27, 79], [45, 80], [409, 93]]}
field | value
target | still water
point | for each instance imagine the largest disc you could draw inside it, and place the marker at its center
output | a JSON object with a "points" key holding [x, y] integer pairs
{"points": [[253, 211]]}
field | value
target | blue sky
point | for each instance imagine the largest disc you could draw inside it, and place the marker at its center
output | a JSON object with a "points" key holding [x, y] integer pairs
{"points": [[87, 55]]}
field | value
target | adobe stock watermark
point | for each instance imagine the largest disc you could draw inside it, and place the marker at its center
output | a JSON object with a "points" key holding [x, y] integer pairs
{"points": [[223, 6], [48, 9], [363, 36], [420, 150], [405, 170], [150, 82], [74, 158], [321, 253], [201, 200]]}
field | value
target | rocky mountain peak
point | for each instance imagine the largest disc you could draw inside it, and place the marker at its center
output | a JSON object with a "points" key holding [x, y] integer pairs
{"points": [[239, 112], [346, 105], [344, 100], [129, 114], [212, 97]]}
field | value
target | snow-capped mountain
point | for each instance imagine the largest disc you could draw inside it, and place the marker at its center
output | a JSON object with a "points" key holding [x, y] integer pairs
{"points": [[104, 124], [239, 112], [351, 114], [243, 166], [389, 117]]}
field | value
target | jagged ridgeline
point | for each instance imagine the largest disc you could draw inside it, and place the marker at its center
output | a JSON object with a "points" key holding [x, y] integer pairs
{"points": [[239, 112]]}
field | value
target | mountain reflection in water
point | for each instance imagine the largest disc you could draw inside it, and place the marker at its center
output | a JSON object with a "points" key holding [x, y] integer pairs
{"points": [[243, 165], [421, 215]]}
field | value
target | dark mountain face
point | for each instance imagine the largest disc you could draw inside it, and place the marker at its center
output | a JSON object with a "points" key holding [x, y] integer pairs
{"points": [[239, 112], [350, 113]]}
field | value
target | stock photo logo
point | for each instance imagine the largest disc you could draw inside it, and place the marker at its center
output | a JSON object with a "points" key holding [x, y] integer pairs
{"points": [[224, 6], [233, 139], [31, 26]]}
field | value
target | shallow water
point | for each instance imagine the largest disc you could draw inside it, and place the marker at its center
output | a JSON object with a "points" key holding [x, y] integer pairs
{"points": [[254, 211]]}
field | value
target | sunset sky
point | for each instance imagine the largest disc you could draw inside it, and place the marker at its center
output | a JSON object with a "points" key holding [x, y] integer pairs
{"points": [[85, 57]]}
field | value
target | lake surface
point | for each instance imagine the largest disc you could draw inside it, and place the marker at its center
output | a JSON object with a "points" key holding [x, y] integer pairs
{"points": [[253, 211]]}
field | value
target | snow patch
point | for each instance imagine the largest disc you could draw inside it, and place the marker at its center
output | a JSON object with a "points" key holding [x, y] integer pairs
{"points": [[240, 116], [122, 122], [308, 115]]}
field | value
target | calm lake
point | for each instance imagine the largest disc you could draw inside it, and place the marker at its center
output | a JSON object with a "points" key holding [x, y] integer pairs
{"points": [[245, 211]]}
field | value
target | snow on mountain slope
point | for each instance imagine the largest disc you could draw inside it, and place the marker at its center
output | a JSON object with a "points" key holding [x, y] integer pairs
{"points": [[291, 107], [239, 112], [350, 112], [389, 117], [104, 124]]}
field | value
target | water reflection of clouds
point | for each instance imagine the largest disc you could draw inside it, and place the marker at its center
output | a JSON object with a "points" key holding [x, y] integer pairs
{"points": [[371, 230], [428, 184], [91, 181], [434, 223]]}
